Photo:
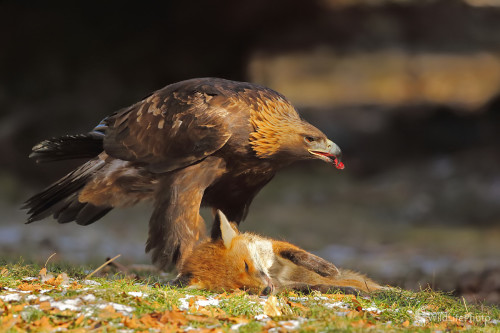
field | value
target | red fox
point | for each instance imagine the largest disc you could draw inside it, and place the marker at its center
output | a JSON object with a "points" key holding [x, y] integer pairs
{"points": [[231, 260]]}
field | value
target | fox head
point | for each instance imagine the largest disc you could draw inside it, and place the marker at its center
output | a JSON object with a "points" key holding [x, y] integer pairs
{"points": [[229, 261]]}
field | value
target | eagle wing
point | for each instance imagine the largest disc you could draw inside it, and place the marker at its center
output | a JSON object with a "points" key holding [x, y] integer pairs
{"points": [[172, 128]]}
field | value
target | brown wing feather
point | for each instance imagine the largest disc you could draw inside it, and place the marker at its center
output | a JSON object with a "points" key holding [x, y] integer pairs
{"points": [[174, 127]]}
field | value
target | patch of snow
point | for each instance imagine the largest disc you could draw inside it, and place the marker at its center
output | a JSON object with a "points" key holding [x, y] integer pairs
{"points": [[88, 298], [261, 317], [184, 304], [18, 291], [236, 327], [291, 324], [30, 278], [341, 305], [10, 297], [373, 309], [91, 283], [298, 299], [419, 321], [125, 309], [210, 301], [44, 298], [137, 294], [68, 304]]}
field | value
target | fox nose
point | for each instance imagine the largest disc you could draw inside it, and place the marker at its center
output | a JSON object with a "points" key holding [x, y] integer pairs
{"points": [[269, 289]]}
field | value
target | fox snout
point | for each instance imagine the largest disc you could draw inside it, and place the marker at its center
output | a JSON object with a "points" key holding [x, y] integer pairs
{"points": [[268, 283]]}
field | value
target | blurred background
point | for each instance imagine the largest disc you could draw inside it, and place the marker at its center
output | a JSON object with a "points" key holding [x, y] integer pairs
{"points": [[409, 89]]}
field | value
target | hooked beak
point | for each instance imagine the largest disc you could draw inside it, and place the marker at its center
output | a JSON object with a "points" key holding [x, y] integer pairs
{"points": [[330, 154]]}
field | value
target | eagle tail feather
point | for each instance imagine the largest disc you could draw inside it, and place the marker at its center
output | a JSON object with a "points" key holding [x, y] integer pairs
{"points": [[68, 147], [61, 198]]}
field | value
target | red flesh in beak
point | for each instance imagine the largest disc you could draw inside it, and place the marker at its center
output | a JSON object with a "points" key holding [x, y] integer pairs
{"points": [[338, 164]]}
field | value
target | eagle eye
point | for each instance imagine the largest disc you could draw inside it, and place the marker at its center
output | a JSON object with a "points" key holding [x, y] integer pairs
{"points": [[309, 139]]}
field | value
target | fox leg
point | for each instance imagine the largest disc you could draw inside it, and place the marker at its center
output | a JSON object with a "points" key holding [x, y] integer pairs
{"points": [[305, 259]]}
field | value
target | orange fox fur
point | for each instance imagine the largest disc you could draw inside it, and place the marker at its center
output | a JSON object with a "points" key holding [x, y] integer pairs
{"points": [[231, 260]]}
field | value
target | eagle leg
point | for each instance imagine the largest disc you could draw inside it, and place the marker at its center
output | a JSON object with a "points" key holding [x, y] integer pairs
{"points": [[176, 224]]}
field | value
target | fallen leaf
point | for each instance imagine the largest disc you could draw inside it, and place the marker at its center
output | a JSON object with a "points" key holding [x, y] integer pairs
{"points": [[211, 312], [149, 321], [238, 320], [297, 305], [175, 317], [9, 321], [406, 323], [42, 324], [56, 281], [357, 305], [17, 308], [44, 306], [44, 276], [79, 320], [29, 287], [132, 323], [271, 307]]}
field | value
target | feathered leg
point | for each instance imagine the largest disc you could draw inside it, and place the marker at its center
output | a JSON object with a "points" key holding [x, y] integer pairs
{"points": [[176, 224]]}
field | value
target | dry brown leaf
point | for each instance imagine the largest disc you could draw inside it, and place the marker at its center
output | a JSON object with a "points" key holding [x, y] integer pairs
{"points": [[406, 323], [109, 312], [75, 285], [201, 319], [4, 272], [238, 320], [352, 314], [8, 321], [175, 317], [297, 305], [42, 324], [269, 324], [211, 312], [29, 287], [79, 320], [44, 306], [132, 323], [56, 281], [150, 322], [271, 307], [17, 308], [357, 305], [44, 276]]}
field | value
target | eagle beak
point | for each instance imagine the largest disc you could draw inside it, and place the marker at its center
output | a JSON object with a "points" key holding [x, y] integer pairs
{"points": [[329, 153]]}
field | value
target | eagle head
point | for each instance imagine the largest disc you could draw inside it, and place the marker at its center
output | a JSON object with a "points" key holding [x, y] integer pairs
{"points": [[280, 133]]}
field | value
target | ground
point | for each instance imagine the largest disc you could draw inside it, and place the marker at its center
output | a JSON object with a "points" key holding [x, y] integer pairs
{"points": [[71, 298]]}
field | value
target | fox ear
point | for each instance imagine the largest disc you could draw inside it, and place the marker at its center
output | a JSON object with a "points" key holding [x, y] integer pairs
{"points": [[222, 229]]}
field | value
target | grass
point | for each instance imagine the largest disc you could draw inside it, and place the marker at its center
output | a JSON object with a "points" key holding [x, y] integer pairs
{"points": [[30, 301]]}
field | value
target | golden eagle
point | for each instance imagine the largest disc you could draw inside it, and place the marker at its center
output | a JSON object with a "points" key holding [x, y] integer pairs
{"points": [[205, 141]]}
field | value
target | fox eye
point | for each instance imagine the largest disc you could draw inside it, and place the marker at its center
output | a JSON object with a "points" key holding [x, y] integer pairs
{"points": [[309, 139], [246, 267]]}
